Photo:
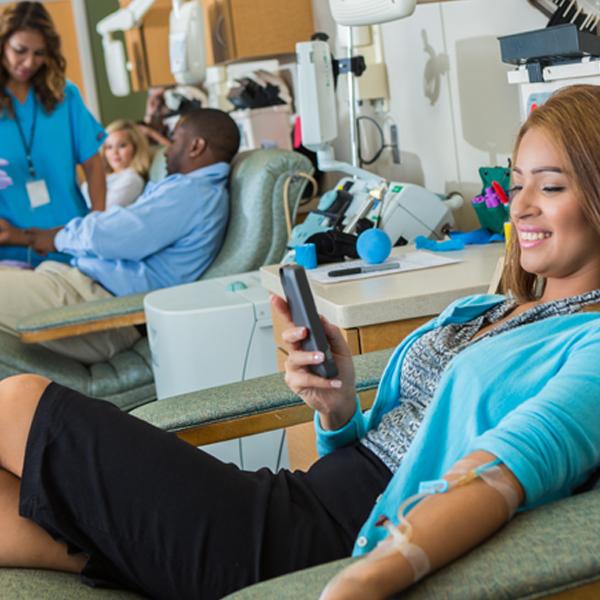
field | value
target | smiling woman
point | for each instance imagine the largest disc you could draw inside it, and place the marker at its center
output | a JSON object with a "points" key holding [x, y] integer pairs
{"points": [[45, 129], [555, 206]]}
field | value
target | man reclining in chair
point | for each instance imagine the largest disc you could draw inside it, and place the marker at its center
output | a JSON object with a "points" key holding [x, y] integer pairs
{"points": [[168, 237]]}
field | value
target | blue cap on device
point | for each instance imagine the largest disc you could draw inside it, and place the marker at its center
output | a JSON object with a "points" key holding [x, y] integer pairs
{"points": [[306, 255]]}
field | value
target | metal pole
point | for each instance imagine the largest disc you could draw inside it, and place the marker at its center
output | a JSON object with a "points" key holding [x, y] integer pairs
{"points": [[352, 103], [82, 34]]}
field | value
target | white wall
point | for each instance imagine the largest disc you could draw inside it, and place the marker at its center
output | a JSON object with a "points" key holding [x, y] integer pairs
{"points": [[449, 94]]}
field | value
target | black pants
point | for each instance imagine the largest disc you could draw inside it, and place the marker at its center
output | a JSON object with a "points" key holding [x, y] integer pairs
{"points": [[158, 516]]}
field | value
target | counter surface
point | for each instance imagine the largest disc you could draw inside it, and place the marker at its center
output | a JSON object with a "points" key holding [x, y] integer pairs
{"points": [[400, 296]]}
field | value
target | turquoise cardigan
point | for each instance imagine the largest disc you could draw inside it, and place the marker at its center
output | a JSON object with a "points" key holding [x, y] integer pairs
{"points": [[530, 396]]}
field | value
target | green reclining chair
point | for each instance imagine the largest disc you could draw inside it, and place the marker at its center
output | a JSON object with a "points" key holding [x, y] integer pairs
{"points": [[256, 235], [550, 552]]}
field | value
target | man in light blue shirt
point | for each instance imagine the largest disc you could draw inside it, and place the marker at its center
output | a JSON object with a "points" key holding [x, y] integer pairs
{"points": [[168, 237]]}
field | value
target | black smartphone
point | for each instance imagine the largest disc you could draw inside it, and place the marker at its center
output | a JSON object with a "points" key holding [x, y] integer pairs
{"points": [[304, 314]]}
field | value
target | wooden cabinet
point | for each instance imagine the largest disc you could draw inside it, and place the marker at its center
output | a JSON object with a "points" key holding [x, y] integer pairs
{"points": [[148, 48], [234, 29], [265, 27]]}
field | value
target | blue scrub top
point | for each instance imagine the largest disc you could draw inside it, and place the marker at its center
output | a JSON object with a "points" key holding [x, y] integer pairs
{"points": [[64, 138]]}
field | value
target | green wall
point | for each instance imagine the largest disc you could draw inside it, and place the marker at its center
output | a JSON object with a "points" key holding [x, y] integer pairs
{"points": [[111, 107]]}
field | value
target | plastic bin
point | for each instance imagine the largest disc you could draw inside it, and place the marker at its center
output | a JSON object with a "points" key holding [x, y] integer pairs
{"points": [[268, 127]]}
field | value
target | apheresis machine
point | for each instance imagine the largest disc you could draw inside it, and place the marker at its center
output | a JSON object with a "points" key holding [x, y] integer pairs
{"points": [[403, 210], [219, 331]]}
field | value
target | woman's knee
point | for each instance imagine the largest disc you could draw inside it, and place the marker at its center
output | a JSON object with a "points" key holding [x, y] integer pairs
{"points": [[23, 391], [19, 398]]}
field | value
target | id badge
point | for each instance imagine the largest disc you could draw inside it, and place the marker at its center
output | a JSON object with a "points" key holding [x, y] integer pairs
{"points": [[38, 193]]}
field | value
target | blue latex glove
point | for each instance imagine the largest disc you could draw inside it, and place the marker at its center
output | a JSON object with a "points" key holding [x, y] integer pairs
{"points": [[477, 236], [458, 240], [5, 180], [422, 243]]}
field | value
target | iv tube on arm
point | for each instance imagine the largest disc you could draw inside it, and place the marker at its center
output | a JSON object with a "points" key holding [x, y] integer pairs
{"points": [[446, 519]]}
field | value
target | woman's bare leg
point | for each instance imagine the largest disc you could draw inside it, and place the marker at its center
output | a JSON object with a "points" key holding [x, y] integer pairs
{"points": [[19, 397], [22, 542], [25, 544]]}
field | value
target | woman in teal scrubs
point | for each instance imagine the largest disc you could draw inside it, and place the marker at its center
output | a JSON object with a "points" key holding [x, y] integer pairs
{"points": [[45, 130]]}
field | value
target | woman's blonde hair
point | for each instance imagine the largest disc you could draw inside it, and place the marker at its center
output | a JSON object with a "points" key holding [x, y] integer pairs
{"points": [[570, 119], [140, 162], [49, 81]]}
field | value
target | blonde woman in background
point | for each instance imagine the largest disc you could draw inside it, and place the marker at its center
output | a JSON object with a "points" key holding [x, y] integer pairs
{"points": [[126, 158]]}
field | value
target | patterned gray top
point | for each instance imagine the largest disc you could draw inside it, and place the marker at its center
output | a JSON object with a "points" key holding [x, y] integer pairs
{"points": [[426, 360]]}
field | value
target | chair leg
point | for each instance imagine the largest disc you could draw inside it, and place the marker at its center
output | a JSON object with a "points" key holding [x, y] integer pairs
{"points": [[494, 287]]}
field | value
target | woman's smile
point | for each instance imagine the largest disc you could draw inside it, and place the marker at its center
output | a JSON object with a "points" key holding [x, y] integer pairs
{"points": [[530, 238]]}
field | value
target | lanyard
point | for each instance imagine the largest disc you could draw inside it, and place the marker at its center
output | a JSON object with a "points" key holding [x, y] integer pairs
{"points": [[28, 145]]}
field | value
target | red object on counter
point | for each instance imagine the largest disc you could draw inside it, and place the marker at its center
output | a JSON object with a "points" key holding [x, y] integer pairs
{"points": [[297, 133], [500, 192]]}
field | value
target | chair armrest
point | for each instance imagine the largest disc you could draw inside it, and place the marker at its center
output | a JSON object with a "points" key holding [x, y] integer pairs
{"points": [[542, 552], [78, 319], [248, 407]]}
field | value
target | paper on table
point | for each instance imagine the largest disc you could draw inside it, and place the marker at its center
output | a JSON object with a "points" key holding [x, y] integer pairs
{"points": [[411, 261]]}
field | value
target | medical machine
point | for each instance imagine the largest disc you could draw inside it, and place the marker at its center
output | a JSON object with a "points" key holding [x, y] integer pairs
{"points": [[316, 82], [566, 52], [211, 333], [186, 42], [404, 211], [549, 59]]}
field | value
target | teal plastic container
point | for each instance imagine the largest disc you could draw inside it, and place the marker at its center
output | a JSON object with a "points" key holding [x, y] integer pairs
{"points": [[492, 218]]}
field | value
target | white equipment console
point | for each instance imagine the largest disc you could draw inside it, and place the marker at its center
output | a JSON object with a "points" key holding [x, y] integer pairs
{"points": [[359, 12], [408, 210], [211, 333], [533, 94]]}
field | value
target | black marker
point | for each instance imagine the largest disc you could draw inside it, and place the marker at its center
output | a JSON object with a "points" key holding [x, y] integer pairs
{"points": [[365, 269]]}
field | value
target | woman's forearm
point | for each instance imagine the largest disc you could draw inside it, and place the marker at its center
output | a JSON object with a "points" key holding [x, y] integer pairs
{"points": [[96, 179], [445, 526], [155, 136]]}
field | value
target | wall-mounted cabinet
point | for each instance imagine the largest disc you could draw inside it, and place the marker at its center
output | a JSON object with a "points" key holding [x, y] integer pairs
{"points": [[148, 48], [252, 28], [235, 29]]}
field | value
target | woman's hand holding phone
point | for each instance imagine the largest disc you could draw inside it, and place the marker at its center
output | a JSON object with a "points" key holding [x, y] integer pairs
{"points": [[333, 399]]}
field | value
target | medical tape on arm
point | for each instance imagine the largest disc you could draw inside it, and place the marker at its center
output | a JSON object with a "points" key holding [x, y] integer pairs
{"points": [[468, 470], [496, 478], [399, 541]]}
